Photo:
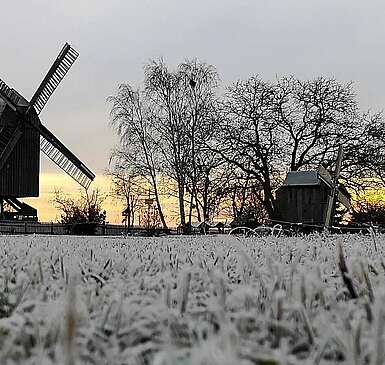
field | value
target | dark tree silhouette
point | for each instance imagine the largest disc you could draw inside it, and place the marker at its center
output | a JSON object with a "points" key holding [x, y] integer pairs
{"points": [[86, 209]]}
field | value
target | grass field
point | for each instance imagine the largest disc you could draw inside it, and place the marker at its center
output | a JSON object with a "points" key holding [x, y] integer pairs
{"points": [[192, 300]]}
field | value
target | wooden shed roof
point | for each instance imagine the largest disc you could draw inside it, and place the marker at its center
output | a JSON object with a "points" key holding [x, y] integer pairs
{"points": [[314, 178], [304, 178]]}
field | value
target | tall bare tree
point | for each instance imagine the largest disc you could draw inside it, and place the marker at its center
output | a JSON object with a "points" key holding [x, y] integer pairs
{"points": [[139, 149], [248, 139], [128, 187], [270, 128], [203, 123], [178, 128], [165, 93], [182, 103], [314, 117]]}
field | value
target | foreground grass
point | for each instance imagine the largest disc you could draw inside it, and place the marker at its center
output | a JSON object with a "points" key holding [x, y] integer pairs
{"points": [[192, 300]]}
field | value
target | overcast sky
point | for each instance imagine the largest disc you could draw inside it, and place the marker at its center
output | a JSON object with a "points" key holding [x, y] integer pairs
{"points": [[115, 38]]}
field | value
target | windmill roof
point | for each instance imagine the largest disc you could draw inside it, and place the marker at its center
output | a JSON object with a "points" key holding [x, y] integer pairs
{"points": [[306, 178], [313, 178]]}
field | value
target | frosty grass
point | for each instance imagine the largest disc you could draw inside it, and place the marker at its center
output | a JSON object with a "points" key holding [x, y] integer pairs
{"points": [[191, 300]]}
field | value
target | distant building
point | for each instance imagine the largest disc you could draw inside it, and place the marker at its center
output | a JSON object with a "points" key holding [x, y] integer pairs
{"points": [[304, 195]]}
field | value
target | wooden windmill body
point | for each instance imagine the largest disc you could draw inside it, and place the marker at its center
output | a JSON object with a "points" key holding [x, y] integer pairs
{"points": [[23, 136], [310, 197]]}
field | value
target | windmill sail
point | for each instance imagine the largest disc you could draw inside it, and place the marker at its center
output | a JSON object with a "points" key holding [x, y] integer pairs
{"points": [[55, 75], [10, 96], [334, 192], [64, 158]]}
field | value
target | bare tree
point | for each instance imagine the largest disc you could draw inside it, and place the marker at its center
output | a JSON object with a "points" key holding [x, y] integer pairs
{"points": [[315, 117], [139, 150], [270, 128], [203, 123], [149, 218], [86, 209], [369, 211], [239, 147], [128, 187], [364, 162], [248, 139], [181, 101]]}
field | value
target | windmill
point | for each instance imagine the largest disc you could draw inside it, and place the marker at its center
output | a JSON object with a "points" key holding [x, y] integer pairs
{"points": [[309, 198], [23, 136], [335, 192]]}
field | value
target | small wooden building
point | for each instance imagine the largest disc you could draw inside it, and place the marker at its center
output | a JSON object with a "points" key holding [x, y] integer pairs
{"points": [[304, 195]]}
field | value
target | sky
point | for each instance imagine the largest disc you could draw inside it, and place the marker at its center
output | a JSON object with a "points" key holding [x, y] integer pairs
{"points": [[344, 39]]}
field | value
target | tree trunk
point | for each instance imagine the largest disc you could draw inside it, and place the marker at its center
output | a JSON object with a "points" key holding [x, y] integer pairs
{"points": [[268, 200], [206, 198], [128, 217], [181, 207], [198, 210], [190, 209], [158, 205]]}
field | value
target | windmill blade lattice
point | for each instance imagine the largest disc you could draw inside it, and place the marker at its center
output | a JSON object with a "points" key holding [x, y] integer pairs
{"points": [[55, 75], [64, 158], [10, 96]]}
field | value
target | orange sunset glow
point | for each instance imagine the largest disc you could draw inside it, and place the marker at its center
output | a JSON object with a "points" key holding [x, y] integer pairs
{"points": [[49, 182]]}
